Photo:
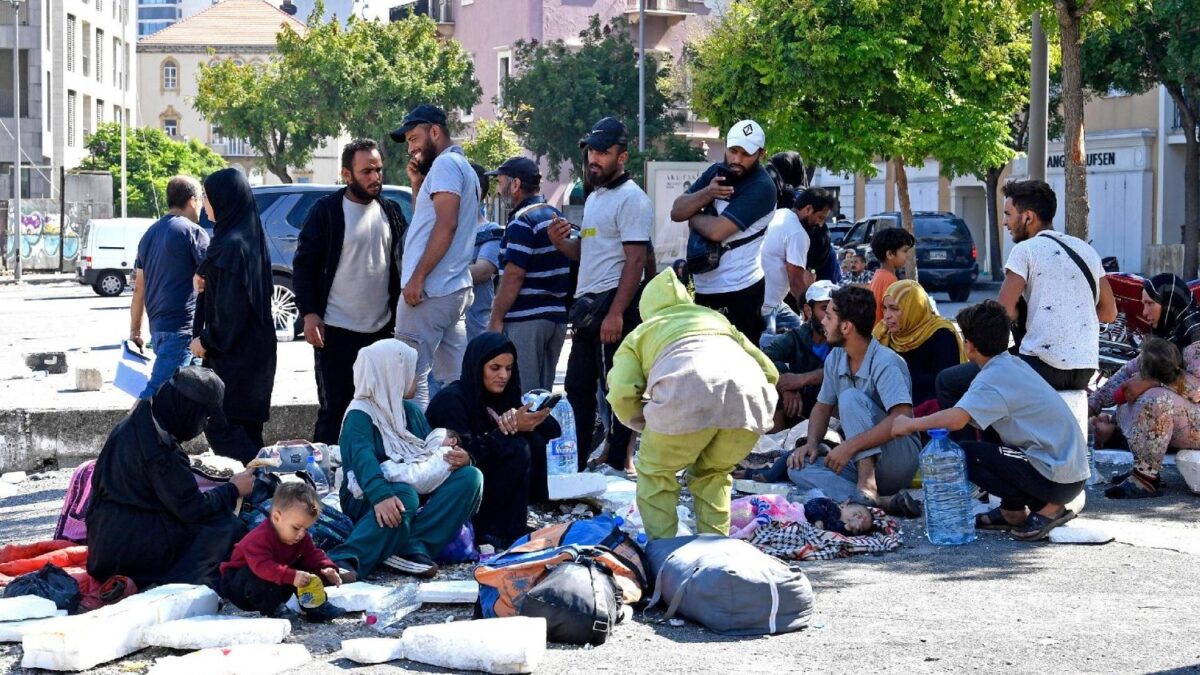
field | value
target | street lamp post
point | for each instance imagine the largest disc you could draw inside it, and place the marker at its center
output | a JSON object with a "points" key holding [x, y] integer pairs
{"points": [[16, 218], [641, 75]]}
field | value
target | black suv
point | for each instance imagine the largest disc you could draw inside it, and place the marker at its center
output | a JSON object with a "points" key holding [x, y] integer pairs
{"points": [[946, 255], [282, 210]]}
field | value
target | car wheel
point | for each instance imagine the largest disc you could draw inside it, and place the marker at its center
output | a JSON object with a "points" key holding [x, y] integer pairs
{"points": [[960, 293], [284, 311], [109, 284]]}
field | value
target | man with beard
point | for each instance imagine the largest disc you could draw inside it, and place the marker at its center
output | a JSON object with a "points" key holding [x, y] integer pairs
{"points": [[729, 207], [611, 251], [531, 305], [869, 387], [346, 275], [785, 251], [431, 314]]}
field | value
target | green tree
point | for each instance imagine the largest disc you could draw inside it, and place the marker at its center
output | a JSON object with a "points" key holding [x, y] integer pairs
{"points": [[492, 144], [1159, 46], [151, 159], [847, 82], [269, 107], [557, 91]]}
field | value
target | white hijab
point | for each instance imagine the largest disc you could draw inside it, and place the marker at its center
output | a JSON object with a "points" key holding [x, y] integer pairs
{"points": [[383, 373]]}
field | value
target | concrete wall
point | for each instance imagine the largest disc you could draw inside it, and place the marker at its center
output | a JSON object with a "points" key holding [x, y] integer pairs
{"points": [[48, 241]]}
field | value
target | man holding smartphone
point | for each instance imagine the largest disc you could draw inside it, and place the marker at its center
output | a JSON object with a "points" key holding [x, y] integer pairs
{"points": [[612, 250], [730, 205]]}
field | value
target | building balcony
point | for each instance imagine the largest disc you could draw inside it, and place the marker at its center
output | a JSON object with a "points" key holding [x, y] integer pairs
{"points": [[441, 11], [671, 9], [233, 147]]}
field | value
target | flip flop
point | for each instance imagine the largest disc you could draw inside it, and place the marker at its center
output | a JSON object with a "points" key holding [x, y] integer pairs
{"points": [[995, 520], [906, 506], [1135, 486], [1037, 526]]}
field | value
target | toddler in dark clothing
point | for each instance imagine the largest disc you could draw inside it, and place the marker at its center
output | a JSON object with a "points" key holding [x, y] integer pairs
{"points": [[278, 558], [849, 519]]}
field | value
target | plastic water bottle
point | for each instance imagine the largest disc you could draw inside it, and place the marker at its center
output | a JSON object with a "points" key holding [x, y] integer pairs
{"points": [[562, 452], [317, 475], [396, 605], [1095, 476], [948, 519]]}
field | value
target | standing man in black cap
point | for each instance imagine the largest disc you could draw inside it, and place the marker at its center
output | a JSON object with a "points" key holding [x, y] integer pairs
{"points": [[612, 250], [438, 248], [531, 305]]}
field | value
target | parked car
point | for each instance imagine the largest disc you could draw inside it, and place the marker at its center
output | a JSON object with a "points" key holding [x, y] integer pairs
{"points": [[107, 250], [946, 253], [839, 230], [282, 210]]}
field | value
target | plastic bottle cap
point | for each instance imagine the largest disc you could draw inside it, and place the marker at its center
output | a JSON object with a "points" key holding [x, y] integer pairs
{"points": [[939, 433]]}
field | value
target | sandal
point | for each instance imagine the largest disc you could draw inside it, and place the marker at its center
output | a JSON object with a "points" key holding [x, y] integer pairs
{"points": [[1135, 486], [905, 505], [1037, 526], [756, 475], [995, 521]]}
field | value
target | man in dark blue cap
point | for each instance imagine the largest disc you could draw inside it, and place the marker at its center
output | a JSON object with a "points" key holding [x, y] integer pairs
{"points": [[438, 247], [531, 305], [612, 251]]}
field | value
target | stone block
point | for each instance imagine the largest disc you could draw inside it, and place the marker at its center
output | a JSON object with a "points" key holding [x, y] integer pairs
{"points": [[54, 363], [239, 660], [88, 379], [508, 645], [1188, 463], [83, 641], [201, 632], [26, 607], [13, 631], [575, 485], [462, 592], [369, 651]]}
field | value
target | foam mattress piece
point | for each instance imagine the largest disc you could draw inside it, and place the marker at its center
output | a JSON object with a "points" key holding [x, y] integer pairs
{"points": [[369, 651], [25, 607], [80, 642], [239, 660], [201, 632], [462, 592], [507, 645], [13, 631], [356, 597]]}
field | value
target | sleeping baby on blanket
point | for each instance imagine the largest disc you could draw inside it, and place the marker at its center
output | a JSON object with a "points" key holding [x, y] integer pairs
{"points": [[750, 513]]}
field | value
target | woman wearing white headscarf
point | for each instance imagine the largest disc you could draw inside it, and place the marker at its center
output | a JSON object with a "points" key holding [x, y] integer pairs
{"points": [[392, 457]]}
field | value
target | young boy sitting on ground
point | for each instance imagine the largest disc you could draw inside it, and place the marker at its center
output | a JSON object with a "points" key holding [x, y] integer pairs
{"points": [[848, 518], [891, 246], [854, 270], [278, 557]]}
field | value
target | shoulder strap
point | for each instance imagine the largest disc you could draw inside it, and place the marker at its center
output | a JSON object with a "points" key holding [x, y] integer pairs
{"points": [[742, 242], [1087, 274]]}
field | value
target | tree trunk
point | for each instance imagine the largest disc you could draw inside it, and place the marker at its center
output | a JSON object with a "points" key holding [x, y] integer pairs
{"points": [[906, 218], [1188, 112], [991, 183], [1074, 166], [280, 169]]}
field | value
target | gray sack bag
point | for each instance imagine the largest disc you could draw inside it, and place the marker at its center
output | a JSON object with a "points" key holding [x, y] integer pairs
{"points": [[728, 586]]}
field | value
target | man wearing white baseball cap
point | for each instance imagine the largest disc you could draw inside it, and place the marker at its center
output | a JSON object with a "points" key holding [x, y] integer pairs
{"points": [[727, 209]]}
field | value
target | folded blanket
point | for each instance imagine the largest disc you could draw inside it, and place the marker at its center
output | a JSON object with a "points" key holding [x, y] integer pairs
{"points": [[804, 541]]}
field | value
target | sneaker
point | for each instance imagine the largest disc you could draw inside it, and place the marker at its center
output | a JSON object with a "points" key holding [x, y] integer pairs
{"points": [[323, 613], [412, 564]]}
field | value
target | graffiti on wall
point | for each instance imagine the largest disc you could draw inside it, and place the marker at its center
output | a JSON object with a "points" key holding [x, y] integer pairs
{"points": [[40, 237]]}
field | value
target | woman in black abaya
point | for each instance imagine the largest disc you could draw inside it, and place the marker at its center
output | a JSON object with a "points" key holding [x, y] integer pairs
{"points": [[506, 441], [237, 337]]}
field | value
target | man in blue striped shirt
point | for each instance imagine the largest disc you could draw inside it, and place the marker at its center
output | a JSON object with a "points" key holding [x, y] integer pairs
{"points": [[531, 304]]}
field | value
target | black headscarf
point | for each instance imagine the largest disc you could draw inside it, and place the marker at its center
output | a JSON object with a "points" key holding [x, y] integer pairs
{"points": [[183, 404], [790, 168], [239, 245], [484, 348], [1180, 318]]}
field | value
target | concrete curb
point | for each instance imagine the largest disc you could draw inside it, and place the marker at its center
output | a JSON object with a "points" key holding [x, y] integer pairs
{"points": [[32, 439], [36, 279]]}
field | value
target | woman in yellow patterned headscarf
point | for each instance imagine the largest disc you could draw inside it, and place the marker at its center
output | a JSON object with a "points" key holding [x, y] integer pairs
{"points": [[912, 328]]}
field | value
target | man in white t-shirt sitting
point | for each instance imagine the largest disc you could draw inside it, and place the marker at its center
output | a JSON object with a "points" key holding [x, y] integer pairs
{"points": [[1060, 280], [785, 248], [731, 204]]}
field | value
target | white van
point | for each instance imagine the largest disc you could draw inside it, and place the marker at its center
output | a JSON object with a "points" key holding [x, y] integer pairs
{"points": [[107, 251]]}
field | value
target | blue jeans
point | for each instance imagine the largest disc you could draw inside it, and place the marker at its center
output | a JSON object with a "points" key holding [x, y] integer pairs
{"points": [[171, 353], [778, 320]]}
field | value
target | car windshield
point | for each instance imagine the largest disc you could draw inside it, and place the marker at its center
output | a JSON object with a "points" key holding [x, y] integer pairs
{"points": [[938, 227]]}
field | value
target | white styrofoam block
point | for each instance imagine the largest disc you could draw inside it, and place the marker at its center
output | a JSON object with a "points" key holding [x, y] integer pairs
{"points": [[7, 490], [509, 645], [26, 607], [369, 651], [754, 487], [1188, 463], [463, 592], [1076, 505], [239, 660], [80, 642], [356, 597], [1076, 400], [619, 493], [1081, 532], [575, 485], [14, 477], [1113, 457], [13, 631], [201, 632]]}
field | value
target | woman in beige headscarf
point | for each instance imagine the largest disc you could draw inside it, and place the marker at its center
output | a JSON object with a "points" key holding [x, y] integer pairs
{"points": [[385, 443]]}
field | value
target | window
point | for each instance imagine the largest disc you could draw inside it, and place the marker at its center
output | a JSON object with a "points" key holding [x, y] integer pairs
{"points": [[46, 95], [99, 5], [503, 70], [170, 75], [70, 119], [117, 116], [99, 109], [171, 127], [99, 54], [116, 61], [6, 82], [70, 43], [87, 49], [299, 212], [87, 117]]}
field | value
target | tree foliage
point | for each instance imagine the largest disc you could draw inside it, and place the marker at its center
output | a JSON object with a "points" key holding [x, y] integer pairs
{"points": [[151, 158], [1160, 44], [492, 144], [558, 91]]}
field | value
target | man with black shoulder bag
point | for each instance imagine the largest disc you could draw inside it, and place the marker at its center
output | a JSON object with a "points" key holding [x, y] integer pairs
{"points": [[727, 210]]}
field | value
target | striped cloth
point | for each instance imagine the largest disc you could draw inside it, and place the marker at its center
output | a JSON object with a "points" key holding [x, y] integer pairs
{"points": [[526, 244], [804, 541]]}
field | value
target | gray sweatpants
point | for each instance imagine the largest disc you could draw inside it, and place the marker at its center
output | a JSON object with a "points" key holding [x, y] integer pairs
{"points": [[539, 343], [896, 462], [437, 329]]}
